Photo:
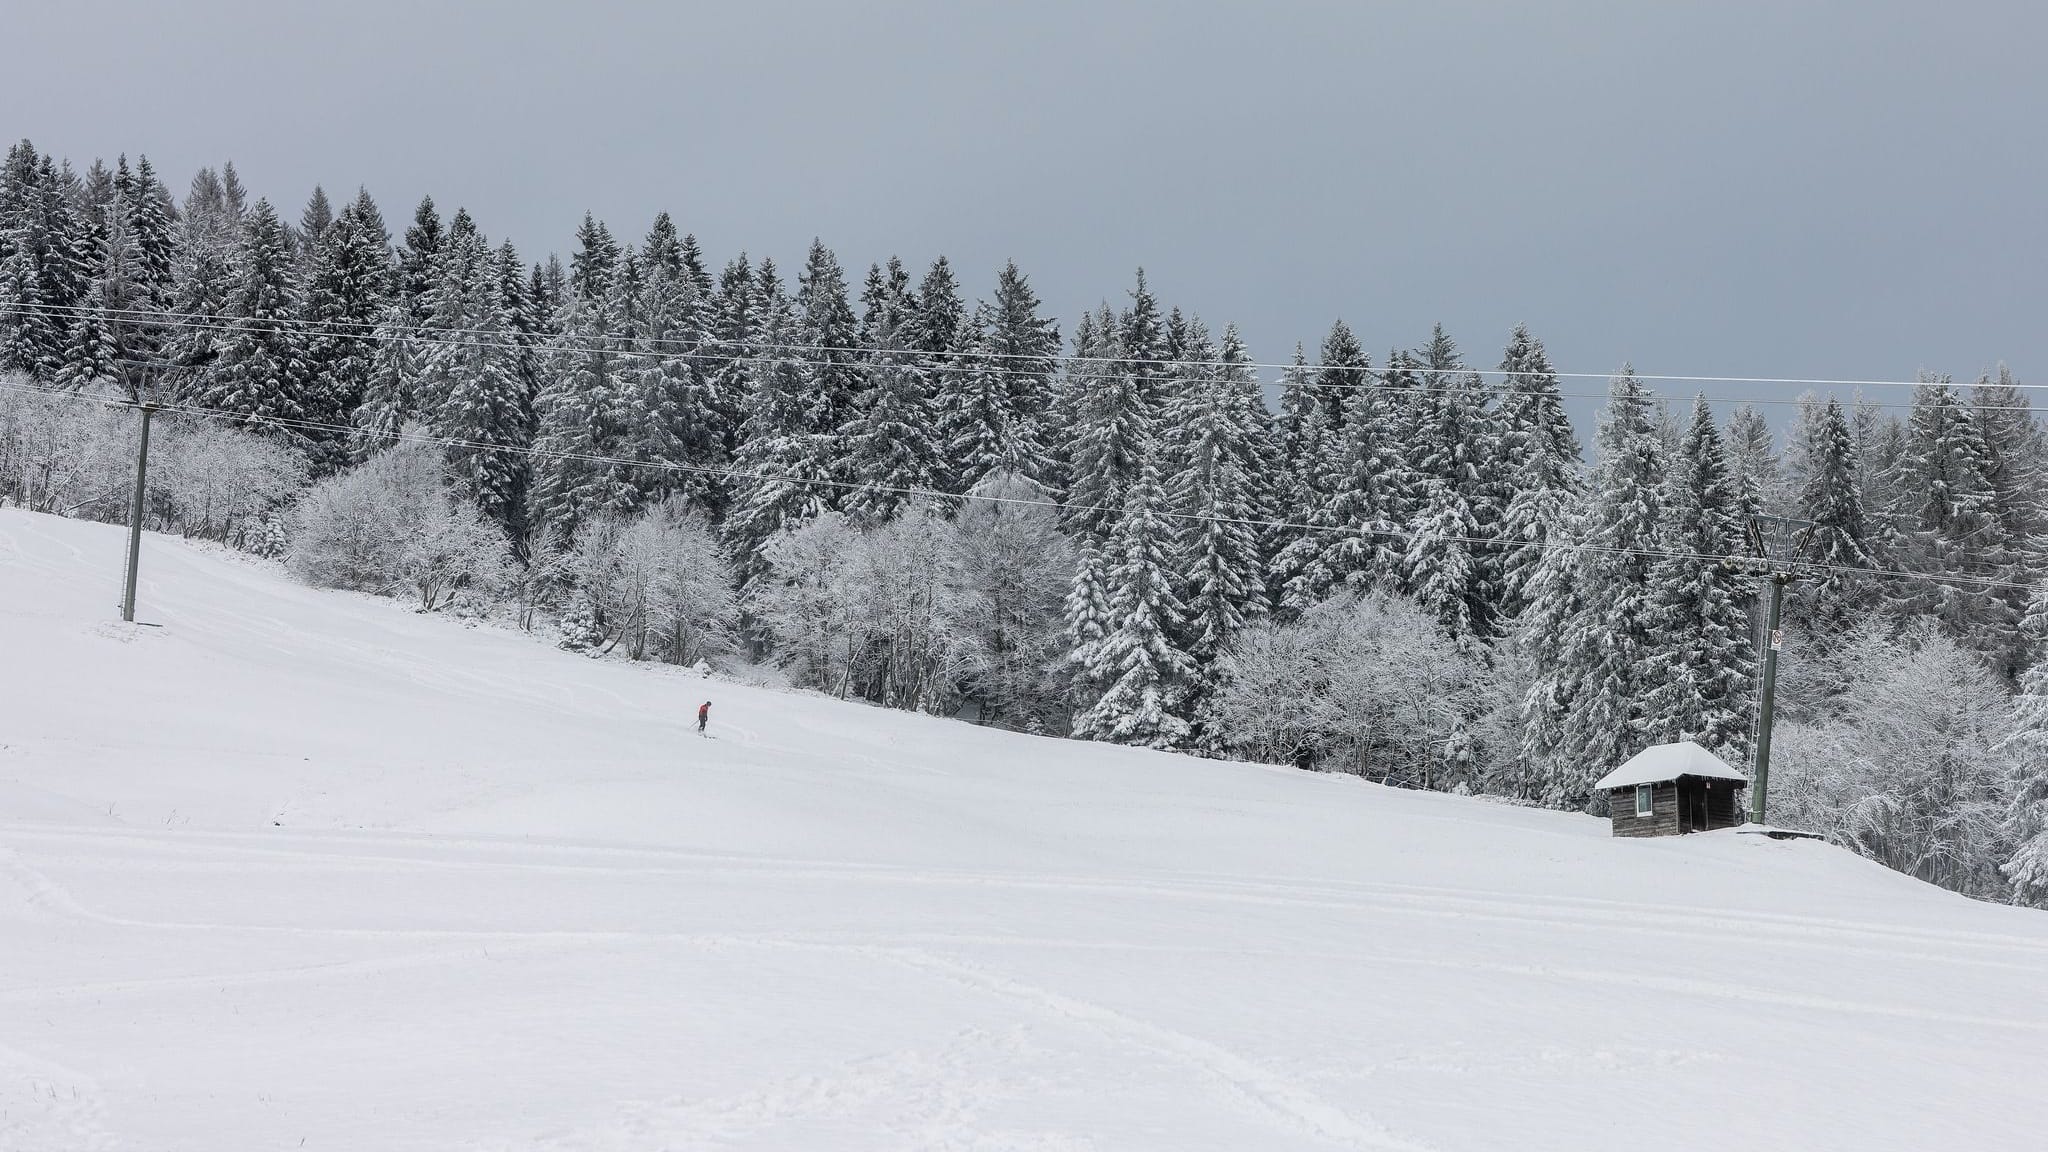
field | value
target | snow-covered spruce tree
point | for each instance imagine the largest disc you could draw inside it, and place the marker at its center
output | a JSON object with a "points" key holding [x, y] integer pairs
{"points": [[261, 373], [1830, 599], [389, 402], [1698, 672], [346, 294], [529, 327], [726, 365], [38, 277], [1214, 447], [2026, 822], [1879, 438], [777, 477], [105, 340], [1145, 674], [1342, 369], [202, 280], [667, 419], [2016, 468], [2016, 451], [314, 221], [1949, 526], [1753, 463], [1442, 565], [580, 411], [596, 257], [1358, 537], [416, 268], [150, 219], [827, 335], [1117, 400], [1449, 563], [1602, 610], [1116, 408], [1017, 346], [889, 442], [1540, 462], [1305, 446], [471, 368], [372, 219], [1094, 333]]}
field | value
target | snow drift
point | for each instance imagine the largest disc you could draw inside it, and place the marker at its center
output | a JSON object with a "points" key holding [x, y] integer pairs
{"points": [[308, 866]]}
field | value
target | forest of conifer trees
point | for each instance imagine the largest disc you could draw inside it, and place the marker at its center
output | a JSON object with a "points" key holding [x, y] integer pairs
{"points": [[895, 487]]}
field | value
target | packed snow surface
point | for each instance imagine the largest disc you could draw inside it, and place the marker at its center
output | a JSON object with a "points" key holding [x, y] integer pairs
{"points": [[305, 869]]}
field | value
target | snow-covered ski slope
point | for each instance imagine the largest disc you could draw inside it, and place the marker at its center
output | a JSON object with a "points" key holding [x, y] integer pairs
{"points": [[305, 866]]}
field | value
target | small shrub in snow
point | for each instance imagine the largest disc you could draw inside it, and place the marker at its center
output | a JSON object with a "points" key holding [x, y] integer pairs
{"points": [[391, 525]]}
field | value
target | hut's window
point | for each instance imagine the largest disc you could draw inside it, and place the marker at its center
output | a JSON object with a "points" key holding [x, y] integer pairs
{"points": [[1644, 795]]}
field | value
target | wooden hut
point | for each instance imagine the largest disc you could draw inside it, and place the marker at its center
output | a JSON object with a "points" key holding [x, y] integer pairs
{"points": [[1672, 789]]}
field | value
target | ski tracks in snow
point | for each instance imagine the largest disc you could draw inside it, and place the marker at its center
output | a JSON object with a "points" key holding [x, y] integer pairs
{"points": [[1267, 1091]]}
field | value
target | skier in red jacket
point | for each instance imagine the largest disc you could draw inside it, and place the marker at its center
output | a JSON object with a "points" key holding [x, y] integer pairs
{"points": [[703, 716]]}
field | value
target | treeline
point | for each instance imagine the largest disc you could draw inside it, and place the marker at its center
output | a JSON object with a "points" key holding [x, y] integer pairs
{"points": [[907, 494]]}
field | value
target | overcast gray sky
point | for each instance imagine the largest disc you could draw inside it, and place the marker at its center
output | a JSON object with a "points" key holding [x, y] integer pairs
{"points": [[1775, 188]]}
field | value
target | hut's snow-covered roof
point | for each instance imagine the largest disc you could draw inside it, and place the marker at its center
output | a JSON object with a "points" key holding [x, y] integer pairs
{"points": [[1661, 762]]}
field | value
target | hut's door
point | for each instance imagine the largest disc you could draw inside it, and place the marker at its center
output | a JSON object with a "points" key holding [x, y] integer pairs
{"points": [[1692, 806]]}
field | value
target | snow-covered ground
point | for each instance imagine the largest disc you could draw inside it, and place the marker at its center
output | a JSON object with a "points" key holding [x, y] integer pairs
{"points": [[305, 869]]}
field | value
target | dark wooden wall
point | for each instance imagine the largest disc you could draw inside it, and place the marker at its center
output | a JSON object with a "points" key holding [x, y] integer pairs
{"points": [[1662, 822], [1670, 818]]}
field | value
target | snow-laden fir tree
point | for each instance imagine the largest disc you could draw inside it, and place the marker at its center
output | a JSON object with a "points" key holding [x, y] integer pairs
{"points": [[417, 260], [528, 327], [1879, 438], [827, 336], [995, 394], [1698, 671], [347, 293], [1146, 676], [1595, 669], [150, 219], [1214, 438], [471, 369], [40, 279], [2016, 451], [776, 471], [105, 350], [1449, 562], [668, 421], [1358, 537], [1950, 527], [1094, 341], [1142, 347], [2016, 469], [1830, 599], [389, 404], [314, 221], [1019, 346], [261, 375], [2026, 824], [1540, 461], [580, 413], [203, 277], [891, 455], [1306, 443], [1114, 412], [591, 265]]}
